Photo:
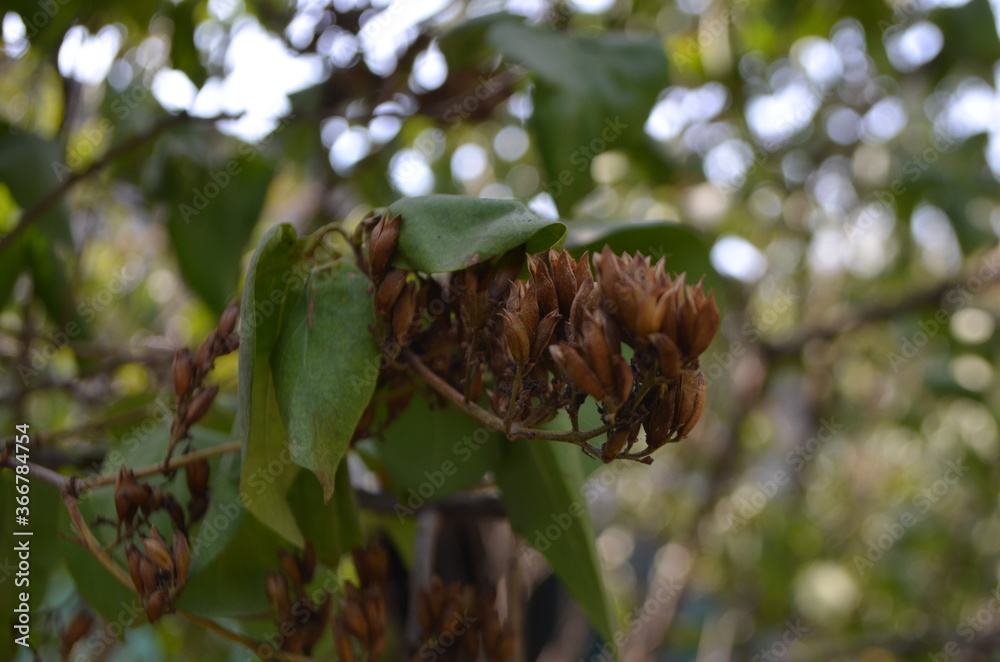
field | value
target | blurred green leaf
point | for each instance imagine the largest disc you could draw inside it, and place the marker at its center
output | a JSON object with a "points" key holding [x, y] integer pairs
{"points": [[593, 93], [325, 362], [541, 486], [212, 215], [334, 528], [431, 452], [442, 233], [32, 167], [267, 468], [184, 54]]}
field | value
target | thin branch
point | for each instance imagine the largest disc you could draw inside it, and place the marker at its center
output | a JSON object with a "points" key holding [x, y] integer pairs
{"points": [[159, 467], [49, 200], [495, 423], [92, 544], [878, 312], [240, 639]]}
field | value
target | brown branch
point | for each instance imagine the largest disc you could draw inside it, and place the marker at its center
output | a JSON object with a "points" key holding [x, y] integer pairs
{"points": [[876, 313], [49, 200], [159, 467], [495, 423]]}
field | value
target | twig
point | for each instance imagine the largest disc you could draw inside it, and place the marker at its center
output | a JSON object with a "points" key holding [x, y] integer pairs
{"points": [[159, 467], [36, 211], [495, 423], [875, 313], [92, 544]]}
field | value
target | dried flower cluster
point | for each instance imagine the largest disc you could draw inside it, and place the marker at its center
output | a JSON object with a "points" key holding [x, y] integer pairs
{"points": [[629, 338], [459, 624], [361, 624], [160, 573], [301, 620]]}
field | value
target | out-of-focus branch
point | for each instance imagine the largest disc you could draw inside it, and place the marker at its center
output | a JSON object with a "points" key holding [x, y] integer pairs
{"points": [[49, 200], [883, 311]]}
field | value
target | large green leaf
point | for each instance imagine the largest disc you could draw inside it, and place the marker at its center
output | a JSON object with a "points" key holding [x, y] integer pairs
{"points": [[430, 452], [443, 233], [267, 467], [541, 487], [326, 364], [593, 93], [211, 219]]}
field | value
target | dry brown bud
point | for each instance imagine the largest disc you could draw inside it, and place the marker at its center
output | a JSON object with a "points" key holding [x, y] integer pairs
{"points": [[182, 557], [276, 587], [342, 642], [227, 323], [543, 286], [517, 339], [156, 549], [206, 352], [200, 404], [182, 371], [564, 278], [573, 366], [196, 475], [134, 557], [404, 313], [355, 621], [389, 291], [291, 568], [155, 604], [382, 243]]}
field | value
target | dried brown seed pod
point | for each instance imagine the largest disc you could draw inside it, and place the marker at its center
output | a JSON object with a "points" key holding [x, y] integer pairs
{"points": [[182, 370], [134, 558], [147, 572], [276, 587], [155, 604], [668, 355], [227, 323], [156, 549], [404, 313], [543, 286], [75, 631], [200, 405], [196, 475], [206, 352], [389, 291], [342, 642], [576, 369], [128, 496], [382, 243], [516, 336], [182, 557], [564, 278], [355, 621]]}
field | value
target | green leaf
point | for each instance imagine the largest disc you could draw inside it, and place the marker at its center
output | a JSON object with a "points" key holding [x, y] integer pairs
{"points": [[326, 364], [334, 528], [184, 54], [267, 468], [32, 167], [42, 545], [593, 93], [442, 233], [430, 452], [541, 485], [210, 222]]}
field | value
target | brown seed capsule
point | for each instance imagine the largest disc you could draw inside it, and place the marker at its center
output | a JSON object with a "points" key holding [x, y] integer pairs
{"points": [[668, 353], [197, 507], [276, 587], [389, 291], [403, 313], [182, 371], [203, 359], [182, 557], [155, 604], [196, 475], [598, 353], [543, 336], [692, 402], [564, 278], [75, 631], [544, 288], [156, 549], [615, 443], [134, 557], [382, 243], [228, 320], [128, 496], [342, 642], [624, 379], [147, 572], [573, 366], [200, 405], [355, 621], [516, 336]]}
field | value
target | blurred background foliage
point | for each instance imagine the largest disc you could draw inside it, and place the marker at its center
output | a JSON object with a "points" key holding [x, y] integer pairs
{"points": [[833, 167]]}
